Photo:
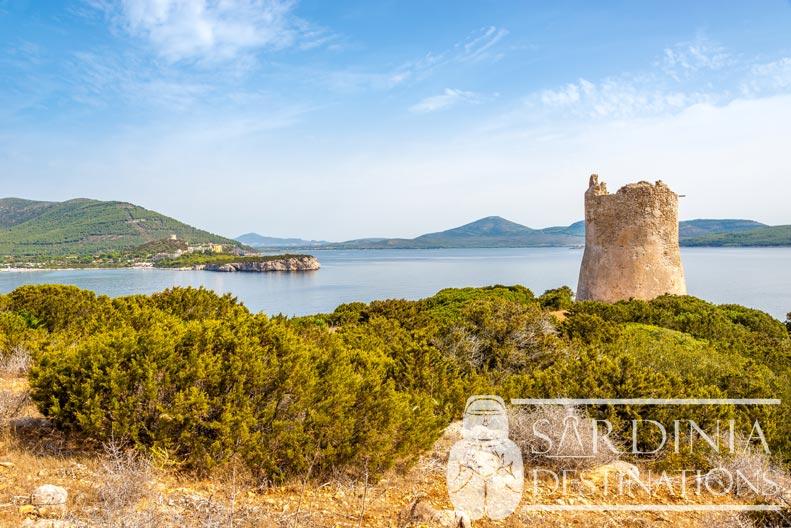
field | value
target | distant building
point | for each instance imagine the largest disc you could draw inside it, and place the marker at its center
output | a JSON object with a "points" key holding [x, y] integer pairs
{"points": [[216, 248], [174, 237]]}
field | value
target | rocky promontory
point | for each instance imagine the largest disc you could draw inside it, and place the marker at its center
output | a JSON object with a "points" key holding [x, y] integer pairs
{"points": [[300, 263]]}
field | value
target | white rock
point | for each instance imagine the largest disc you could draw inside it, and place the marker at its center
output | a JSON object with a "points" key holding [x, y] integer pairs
{"points": [[49, 496], [46, 523]]}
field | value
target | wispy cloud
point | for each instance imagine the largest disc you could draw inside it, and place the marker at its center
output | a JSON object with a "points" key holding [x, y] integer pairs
{"points": [[351, 81], [671, 86], [687, 58], [616, 98], [213, 31], [447, 99], [480, 44], [768, 77], [102, 79], [685, 75]]}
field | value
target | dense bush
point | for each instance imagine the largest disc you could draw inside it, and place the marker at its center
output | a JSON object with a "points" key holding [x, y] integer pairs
{"points": [[198, 376], [557, 299]]}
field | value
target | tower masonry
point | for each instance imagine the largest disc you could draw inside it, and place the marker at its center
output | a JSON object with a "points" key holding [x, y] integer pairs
{"points": [[631, 243]]}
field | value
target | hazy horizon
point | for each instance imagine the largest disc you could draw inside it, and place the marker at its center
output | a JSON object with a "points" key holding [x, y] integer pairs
{"points": [[336, 121]]}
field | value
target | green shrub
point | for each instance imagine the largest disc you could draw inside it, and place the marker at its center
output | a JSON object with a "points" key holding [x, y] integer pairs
{"points": [[557, 299], [371, 385], [59, 307], [198, 376]]}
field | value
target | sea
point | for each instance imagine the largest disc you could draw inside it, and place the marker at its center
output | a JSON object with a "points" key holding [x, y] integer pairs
{"points": [[756, 277]]}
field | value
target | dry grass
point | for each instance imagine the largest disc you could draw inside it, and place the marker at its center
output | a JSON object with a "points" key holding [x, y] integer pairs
{"points": [[111, 486], [15, 362], [570, 432]]}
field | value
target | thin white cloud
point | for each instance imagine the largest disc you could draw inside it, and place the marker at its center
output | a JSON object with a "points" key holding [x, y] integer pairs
{"points": [[687, 58], [686, 74], [616, 98], [768, 77], [213, 30], [479, 45], [447, 99], [102, 78]]}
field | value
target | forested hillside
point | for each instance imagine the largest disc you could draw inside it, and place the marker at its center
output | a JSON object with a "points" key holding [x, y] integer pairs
{"points": [[85, 227]]}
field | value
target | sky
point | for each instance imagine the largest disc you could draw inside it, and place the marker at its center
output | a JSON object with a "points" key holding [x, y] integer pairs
{"points": [[349, 119]]}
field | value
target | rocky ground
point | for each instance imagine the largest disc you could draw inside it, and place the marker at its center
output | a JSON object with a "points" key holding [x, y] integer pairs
{"points": [[107, 486]]}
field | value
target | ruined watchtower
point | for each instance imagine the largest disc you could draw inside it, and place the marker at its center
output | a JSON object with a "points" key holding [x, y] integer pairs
{"points": [[631, 243]]}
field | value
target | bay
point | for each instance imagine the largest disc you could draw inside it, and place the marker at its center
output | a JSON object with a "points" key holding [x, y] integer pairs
{"points": [[754, 277]]}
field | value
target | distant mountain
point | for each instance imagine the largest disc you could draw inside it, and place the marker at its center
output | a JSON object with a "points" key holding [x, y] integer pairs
{"points": [[259, 241], [490, 227], [765, 236], [84, 226], [698, 228], [494, 231]]}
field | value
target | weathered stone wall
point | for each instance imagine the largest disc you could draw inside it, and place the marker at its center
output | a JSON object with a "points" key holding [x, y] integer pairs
{"points": [[631, 243]]}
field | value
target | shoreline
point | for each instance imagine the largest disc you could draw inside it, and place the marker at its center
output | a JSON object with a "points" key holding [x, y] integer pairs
{"points": [[22, 270]]}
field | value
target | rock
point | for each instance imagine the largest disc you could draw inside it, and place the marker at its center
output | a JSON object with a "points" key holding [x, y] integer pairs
{"points": [[49, 498], [614, 468], [29, 424], [631, 243], [46, 523], [305, 263], [421, 511]]}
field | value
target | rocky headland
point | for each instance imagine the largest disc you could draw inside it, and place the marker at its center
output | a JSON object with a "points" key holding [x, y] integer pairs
{"points": [[302, 263]]}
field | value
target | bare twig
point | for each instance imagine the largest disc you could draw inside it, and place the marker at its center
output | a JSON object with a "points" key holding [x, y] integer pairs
{"points": [[365, 495]]}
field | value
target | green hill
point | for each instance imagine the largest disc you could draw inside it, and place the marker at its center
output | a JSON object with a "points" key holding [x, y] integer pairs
{"points": [[703, 227], [15, 211], [494, 231], [765, 236], [85, 227]]}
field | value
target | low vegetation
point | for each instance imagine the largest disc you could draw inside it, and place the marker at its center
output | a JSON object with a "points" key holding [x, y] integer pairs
{"points": [[199, 259], [195, 379]]}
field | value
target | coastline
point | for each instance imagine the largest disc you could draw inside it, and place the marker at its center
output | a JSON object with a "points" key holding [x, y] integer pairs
{"points": [[290, 264], [22, 270]]}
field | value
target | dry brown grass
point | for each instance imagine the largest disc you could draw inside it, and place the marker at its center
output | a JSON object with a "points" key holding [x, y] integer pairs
{"points": [[573, 451], [111, 486], [15, 362]]}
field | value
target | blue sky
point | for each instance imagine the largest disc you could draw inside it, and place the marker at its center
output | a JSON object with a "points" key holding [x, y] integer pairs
{"points": [[338, 120]]}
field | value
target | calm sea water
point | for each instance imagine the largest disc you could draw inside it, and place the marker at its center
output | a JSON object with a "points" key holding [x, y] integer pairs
{"points": [[759, 278]]}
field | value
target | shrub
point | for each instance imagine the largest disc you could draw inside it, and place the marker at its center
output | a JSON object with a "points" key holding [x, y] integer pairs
{"points": [[566, 451], [499, 336], [557, 299], [195, 375], [58, 307], [216, 384]]}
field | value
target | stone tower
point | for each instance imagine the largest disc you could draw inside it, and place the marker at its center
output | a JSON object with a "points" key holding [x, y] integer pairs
{"points": [[631, 243]]}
